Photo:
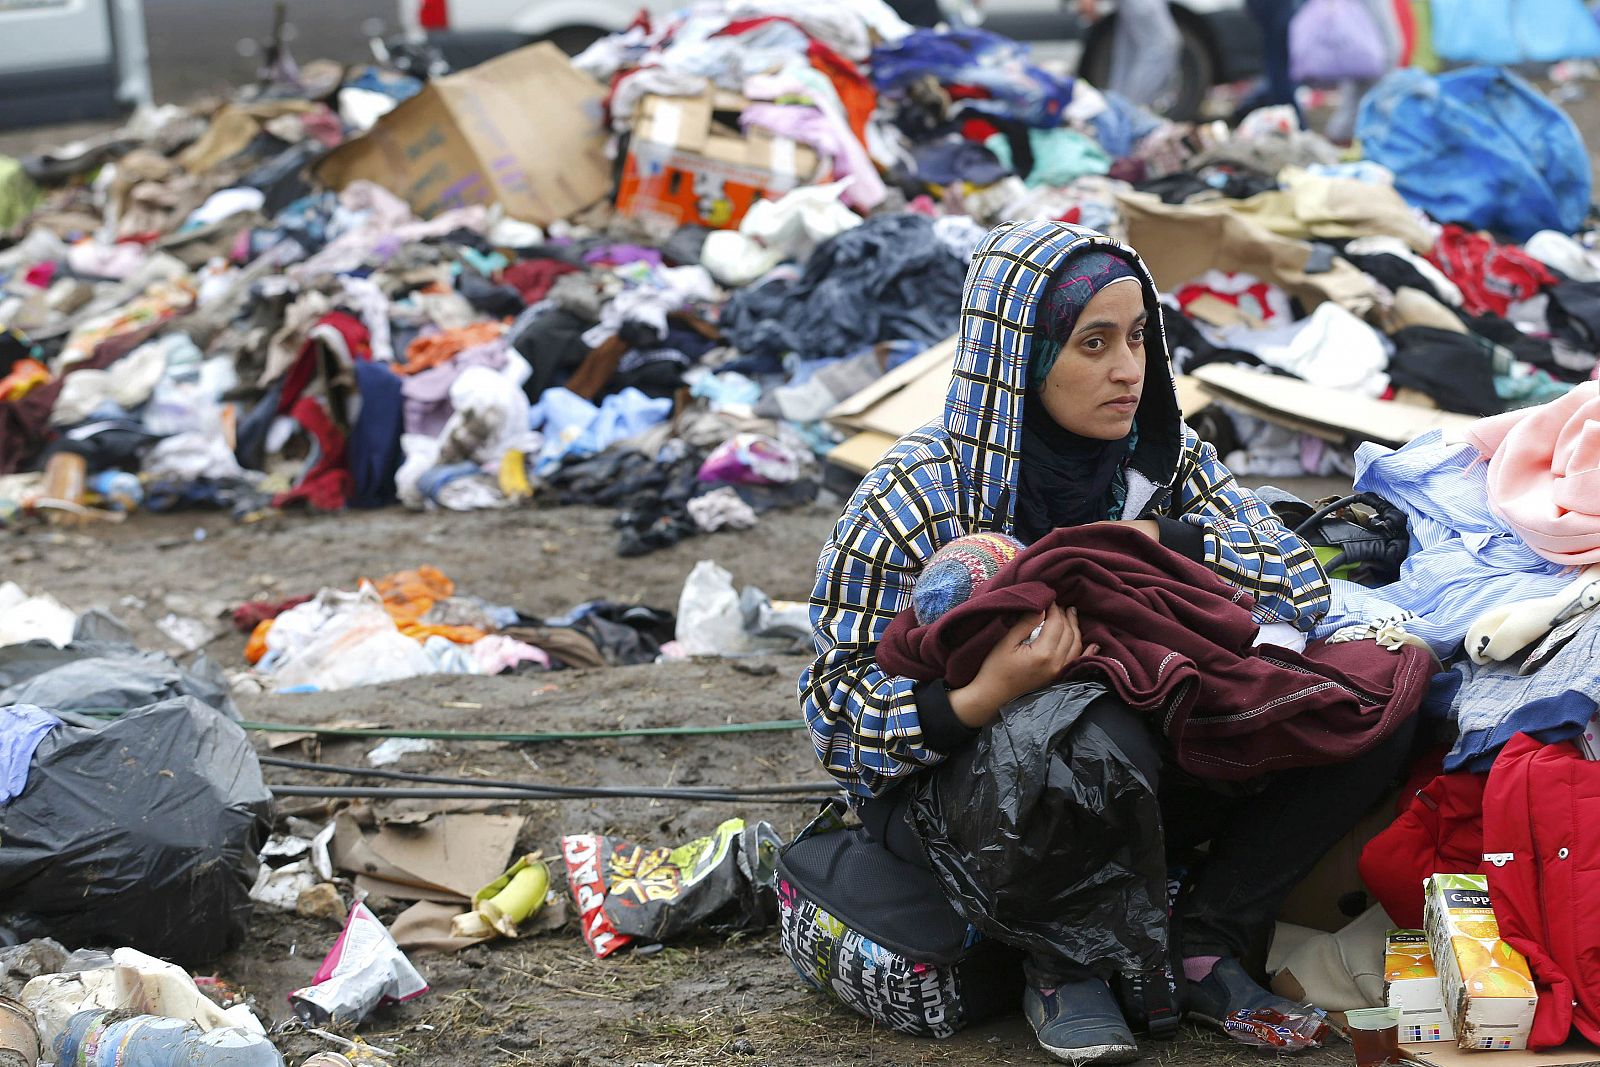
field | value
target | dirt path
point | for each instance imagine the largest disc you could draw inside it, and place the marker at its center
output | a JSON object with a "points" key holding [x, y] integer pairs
{"points": [[542, 1000]]}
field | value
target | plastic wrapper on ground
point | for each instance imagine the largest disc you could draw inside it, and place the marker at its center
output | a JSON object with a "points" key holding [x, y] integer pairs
{"points": [[626, 892]]}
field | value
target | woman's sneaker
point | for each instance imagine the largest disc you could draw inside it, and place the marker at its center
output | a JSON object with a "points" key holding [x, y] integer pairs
{"points": [[1080, 1023], [1227, 989]]}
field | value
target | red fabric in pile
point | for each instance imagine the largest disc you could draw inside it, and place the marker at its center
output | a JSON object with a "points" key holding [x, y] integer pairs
{"points": [[1491, 277], [336, 339], [1541, 805], [534, 278], [326, 486], [252, 613], [1176, 640], [1439, 832]]}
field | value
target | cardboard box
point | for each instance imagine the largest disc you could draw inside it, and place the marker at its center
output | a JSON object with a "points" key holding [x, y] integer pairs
{"points": [[1332, 894], [1411, 983], [688, 162], [522, 130], [1487, 988]]}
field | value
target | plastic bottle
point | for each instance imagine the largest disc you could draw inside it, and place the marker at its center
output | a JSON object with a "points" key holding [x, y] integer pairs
{"points": [[110, 1039]]}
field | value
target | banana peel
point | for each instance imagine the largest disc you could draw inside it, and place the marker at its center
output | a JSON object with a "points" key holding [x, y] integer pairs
{"points": [[511, 899], [514, 475]]}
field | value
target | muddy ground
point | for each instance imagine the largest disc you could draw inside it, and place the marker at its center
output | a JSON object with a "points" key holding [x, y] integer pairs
{"points": [[545, 1000], [542, 1000]]}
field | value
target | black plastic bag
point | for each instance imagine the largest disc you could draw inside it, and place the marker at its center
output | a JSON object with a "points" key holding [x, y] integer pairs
{"points": [[142, 833], [101, 669], [1047, 836], [117, 679]]}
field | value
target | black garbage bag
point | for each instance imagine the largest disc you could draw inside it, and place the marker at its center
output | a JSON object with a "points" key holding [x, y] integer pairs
{"points": [[143, 833], [1048, 837], [117, 679], [101, 669]]}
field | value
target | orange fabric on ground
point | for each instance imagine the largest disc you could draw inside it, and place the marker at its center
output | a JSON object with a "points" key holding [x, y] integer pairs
{"points": [[256, 647], [437, 348], [409, 595]]}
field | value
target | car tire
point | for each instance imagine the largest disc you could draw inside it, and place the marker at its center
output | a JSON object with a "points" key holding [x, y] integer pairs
{"points": [[1196, 63], [574, 39]]}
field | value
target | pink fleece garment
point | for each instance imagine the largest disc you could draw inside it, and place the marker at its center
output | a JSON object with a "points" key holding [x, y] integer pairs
{"points": [[1544, 474]]}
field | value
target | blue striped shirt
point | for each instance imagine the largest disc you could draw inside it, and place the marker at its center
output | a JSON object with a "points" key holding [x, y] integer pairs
{"points": [[1463, 559]]}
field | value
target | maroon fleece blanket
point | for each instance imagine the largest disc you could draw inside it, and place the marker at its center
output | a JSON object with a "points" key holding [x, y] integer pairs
{"points": [[1176, 640]]}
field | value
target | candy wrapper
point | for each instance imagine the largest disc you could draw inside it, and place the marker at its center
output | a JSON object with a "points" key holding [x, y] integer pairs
{"points": [[1279, 1031], [364, 969]]}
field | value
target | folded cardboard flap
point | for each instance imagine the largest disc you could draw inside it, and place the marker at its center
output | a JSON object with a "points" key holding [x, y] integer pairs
{"points": [[884, 405], [674, 122], [860, 452], [1180, 242], [1332, 414], [446, 858], [522, 130]]}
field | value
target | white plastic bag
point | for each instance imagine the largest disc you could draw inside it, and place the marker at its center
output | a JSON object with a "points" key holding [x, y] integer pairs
{"points": [[709, 620], [25, 618], [343, 645]]}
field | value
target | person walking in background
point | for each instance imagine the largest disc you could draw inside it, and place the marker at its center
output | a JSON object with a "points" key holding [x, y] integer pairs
{"points": [[1341, 127], [1144, 48], [1277, 87]]}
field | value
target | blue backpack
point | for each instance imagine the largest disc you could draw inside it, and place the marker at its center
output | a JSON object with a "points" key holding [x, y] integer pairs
{"points": [[1480, 147]]}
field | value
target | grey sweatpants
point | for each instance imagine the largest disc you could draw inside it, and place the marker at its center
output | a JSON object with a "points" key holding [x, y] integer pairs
{"points": [[1144, 50]]}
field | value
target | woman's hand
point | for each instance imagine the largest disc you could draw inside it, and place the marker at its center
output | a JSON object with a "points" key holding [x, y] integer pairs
{"points": [[1032, 655]]}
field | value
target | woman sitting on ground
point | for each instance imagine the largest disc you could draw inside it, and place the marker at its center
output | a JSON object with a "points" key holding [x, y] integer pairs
{"points": [[1061, 412]]}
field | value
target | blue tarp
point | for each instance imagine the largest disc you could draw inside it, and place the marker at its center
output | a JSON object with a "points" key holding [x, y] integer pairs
{"points": [[1504, 32]]}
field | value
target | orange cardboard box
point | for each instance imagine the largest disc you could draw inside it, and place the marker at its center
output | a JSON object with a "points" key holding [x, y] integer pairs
{"points": [[688, 162]]}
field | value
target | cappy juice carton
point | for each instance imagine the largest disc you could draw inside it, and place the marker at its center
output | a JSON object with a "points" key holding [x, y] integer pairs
{"points": [[1488, 990], [1411, 983]]}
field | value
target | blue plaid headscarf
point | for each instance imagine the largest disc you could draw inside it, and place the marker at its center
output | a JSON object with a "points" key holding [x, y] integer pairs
{"points": [[1069, 290]]}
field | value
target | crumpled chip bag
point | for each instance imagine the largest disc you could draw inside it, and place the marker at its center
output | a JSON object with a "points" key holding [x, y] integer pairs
{"points": [[626, 892]]}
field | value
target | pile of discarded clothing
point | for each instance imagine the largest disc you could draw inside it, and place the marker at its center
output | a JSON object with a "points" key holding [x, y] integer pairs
{"points": [[1501, 583], [649, 292], [413, 623]]}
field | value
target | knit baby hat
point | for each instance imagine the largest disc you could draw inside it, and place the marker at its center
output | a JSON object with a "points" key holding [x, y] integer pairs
{"points": [[956, 571]]}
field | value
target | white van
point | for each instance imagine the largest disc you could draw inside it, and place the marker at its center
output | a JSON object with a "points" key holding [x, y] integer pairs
{"points": [[71, 60]]}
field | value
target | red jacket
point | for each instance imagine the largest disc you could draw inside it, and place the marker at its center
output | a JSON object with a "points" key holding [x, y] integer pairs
{"points": [[1541, 845], [1439, 832], [1176, 640]]}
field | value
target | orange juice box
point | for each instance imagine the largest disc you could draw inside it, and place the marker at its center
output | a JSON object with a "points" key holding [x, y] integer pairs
{"points": [[1488, 990], [1411, 984]]}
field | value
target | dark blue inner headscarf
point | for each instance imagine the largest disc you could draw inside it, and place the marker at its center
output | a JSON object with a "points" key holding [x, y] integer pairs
{"points": [[1067, 479], [1067, 293]]}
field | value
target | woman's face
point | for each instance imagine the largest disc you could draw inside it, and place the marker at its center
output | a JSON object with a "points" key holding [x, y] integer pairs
{"points": [[1094, 387]]}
